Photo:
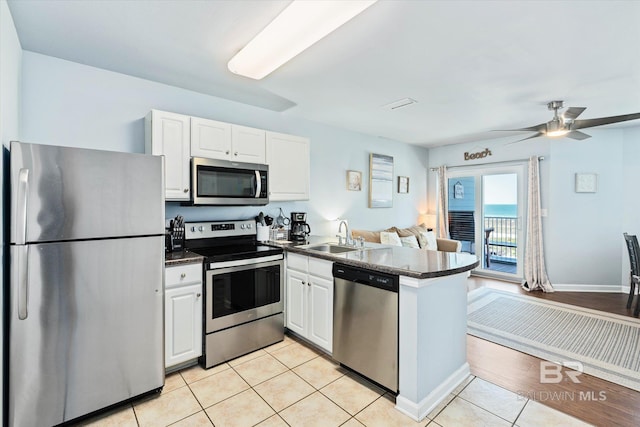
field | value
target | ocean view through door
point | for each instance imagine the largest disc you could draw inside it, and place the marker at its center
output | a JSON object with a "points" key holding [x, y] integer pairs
{"points": [[487, 214]]}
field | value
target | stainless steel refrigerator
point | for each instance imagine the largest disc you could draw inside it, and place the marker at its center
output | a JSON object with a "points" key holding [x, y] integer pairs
{"points": [[86, 281]]}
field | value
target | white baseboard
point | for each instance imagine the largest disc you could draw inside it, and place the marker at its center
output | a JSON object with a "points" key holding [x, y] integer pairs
{"points": [[418, 411], [566, 287]]}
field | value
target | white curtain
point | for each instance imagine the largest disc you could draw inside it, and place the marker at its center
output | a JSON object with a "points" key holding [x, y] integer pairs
{"points": [[443, 198], [535, 273]]}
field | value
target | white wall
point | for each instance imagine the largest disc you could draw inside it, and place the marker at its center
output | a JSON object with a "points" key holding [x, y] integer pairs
{"points": [[10, 66], [583, 231], [585, 234], [66, 103]]}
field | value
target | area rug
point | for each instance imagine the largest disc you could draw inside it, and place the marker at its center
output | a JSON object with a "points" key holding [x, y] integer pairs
{"points": [[607, 345]]}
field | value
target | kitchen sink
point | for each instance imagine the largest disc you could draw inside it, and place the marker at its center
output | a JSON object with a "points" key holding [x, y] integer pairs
{"points": [[330, 248]]}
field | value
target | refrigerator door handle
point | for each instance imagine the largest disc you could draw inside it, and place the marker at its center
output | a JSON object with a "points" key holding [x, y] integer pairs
{"points": [[21, 206], [258, 184], [19, 272]]}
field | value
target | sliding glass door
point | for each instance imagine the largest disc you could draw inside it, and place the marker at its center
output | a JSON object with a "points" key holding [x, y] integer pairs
{"points": [[487, 214]]}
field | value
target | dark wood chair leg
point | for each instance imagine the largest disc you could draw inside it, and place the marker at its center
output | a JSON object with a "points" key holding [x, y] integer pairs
{"points": [[632, 291], [635, 280]]}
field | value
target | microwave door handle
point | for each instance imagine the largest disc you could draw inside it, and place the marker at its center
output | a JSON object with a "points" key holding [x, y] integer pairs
{"points": [[258, 184]]}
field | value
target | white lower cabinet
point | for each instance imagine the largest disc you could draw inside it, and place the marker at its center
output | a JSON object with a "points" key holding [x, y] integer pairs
{"points": [[182, 314], [310, 299]]}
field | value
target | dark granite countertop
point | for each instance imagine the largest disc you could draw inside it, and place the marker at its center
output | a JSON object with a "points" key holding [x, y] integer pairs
{"points": [[411, 262], [182, 257]]}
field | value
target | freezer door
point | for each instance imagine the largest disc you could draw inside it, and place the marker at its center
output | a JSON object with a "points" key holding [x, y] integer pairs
{"points": [[61, 193], [91, 332]]}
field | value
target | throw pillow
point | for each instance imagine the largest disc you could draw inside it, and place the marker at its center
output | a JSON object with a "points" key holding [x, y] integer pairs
{"points": [[410, 242], [390, 238], [404, 232], [428, 240]]}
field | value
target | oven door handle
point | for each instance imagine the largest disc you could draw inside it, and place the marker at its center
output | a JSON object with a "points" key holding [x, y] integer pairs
{"points": [[244, 262]]}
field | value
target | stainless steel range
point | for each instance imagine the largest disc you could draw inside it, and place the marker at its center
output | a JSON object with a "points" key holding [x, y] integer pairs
{"points": [[244, 286]]}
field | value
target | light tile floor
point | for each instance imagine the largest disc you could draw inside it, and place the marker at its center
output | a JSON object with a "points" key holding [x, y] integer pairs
{"points": [[290, 384]]}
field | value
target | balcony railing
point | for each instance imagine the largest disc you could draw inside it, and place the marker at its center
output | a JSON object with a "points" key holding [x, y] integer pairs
{"points": [[502, 242]]}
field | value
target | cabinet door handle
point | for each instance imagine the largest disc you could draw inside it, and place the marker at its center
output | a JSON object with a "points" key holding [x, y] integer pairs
{"points": [[183, 275], [308, 283], [226, 152], [235, 154], [304, 283], [198, 295], [186, 190]]}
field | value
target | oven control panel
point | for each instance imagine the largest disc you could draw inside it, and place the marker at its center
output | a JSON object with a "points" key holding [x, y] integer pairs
{"points": [[211, 229]]}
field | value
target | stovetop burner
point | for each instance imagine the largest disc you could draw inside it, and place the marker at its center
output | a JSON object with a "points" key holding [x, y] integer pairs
{"points": [[221, 241]]}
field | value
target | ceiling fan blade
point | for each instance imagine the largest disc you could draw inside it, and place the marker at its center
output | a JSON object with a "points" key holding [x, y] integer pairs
{"points": [[576, 134], [538, 128], [529, 137], [573, 112], [589, 123]]}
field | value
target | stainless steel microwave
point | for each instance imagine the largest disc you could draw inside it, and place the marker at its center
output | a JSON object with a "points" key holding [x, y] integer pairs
{"points": [[227, 183]]}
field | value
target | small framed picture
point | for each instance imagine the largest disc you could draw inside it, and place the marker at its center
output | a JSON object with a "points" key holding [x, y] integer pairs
{"points": [[586, 182], [354, 180], [403, 184]]}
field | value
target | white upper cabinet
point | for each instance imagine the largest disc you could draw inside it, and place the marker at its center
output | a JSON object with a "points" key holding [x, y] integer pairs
{"points": [[168, 134], [218, 140], [289, 166], [178, 138], [248, 144], [210, 139]]}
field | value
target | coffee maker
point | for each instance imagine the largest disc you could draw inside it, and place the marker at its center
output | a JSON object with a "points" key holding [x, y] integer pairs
{"points": [[299, 227]]}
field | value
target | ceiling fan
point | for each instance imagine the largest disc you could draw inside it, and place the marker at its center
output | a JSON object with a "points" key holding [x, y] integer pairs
{"points": [[565, 124]]}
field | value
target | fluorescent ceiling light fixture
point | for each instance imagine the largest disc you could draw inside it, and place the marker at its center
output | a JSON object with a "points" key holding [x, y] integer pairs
{"points": [[299, 26]]}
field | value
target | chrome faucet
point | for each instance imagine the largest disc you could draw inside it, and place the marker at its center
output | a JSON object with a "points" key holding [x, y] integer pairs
{"points": [[347, 234]]}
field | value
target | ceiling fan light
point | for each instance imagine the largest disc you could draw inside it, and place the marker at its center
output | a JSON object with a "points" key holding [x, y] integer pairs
{"points": [[557, 133], [557, 127], [299, 26]]}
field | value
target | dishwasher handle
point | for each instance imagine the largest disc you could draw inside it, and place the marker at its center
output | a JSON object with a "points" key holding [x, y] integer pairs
{"points": [[376, 279]]}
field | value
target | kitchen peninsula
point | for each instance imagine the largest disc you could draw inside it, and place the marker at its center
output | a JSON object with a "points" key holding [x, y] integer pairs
{"points": [[432, 312]]}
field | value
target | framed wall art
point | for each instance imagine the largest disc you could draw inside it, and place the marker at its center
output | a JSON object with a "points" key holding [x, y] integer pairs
{"points": [[380, 181], [354, 180], [403, 184], [586, 182]]}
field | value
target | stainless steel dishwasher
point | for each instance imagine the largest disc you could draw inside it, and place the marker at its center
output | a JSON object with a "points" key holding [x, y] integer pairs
{"points": [[365, 323]]}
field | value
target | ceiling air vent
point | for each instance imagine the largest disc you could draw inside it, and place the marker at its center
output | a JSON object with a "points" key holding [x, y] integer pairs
{"points": [[399, 104]]}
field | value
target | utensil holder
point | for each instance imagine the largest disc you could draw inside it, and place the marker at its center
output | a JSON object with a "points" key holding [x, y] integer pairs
{"points": [[262, 233]]}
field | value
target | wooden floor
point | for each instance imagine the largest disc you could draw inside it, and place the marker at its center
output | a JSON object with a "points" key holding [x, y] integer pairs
{"points": [[593, 400]]}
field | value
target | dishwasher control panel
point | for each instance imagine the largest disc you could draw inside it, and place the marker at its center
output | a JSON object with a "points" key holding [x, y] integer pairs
{"points": [[389, 282]]}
